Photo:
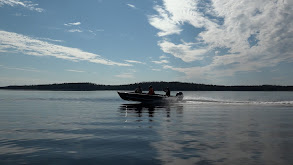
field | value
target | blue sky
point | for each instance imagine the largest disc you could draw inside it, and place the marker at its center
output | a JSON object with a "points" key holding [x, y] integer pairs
{"points": [[225, 42]]}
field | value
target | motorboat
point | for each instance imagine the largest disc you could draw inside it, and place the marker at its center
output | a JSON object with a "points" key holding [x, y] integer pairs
{"points": [[146, 98]]}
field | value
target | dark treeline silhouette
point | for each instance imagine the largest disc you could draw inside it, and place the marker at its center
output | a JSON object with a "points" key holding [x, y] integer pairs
{"points": [[158, 86]]}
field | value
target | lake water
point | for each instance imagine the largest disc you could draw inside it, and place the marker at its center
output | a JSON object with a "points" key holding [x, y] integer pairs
{"points": [[207, 128]]}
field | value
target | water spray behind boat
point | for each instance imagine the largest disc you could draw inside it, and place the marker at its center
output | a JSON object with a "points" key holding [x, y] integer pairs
{"points": [[179, 96]]}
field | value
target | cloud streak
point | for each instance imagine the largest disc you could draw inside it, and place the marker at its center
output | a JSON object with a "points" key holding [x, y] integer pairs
{"points": [[135, 62], [28, 69], [26, 4], [74, 30], [72, 24], [132, 6], [161, 62], [72, 70], [17, 43]]}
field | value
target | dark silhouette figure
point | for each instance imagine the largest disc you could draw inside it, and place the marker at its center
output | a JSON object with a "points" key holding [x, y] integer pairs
{"points": [[151, 90], [138, 90], [167, 90]]}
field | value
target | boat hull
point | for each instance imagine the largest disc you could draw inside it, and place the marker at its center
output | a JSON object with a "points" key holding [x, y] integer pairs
{"points": [[131, 96]]}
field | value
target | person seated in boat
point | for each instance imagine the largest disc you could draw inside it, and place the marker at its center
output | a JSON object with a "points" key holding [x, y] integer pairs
{"points": [[167, 90], [151, 90], [138, 90]]}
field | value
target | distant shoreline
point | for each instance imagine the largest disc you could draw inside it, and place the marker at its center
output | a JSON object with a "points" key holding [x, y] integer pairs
{"points": [[174, 86]]}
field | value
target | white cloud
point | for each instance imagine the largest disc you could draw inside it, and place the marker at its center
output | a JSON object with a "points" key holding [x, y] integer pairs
{"points": [[185, 51], [164, 23], [17, 43], [255, 33], [49, 39], [72, 24], [78, 71], [19, 15], [132, 6], [94, 31], [161, 62], [74, 30], [163, 57], [26, 4], [133, 61]]}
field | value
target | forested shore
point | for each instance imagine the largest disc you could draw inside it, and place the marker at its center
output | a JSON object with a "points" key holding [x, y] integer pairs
{"points": [[174, 86]]}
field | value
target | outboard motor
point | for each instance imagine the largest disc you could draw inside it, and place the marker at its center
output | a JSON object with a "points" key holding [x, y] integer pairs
{"points": [[179, 96]]}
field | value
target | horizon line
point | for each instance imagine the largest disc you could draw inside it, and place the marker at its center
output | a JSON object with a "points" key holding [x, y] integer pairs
{"points": [[142, 83]]}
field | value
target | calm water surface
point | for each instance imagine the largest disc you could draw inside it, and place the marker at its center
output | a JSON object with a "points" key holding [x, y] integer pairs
{"points": [[207, 128]]}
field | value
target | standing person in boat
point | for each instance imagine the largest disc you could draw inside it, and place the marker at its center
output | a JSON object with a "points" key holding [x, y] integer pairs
{"points": [[167, 90], [138, 90], [151, 90]]}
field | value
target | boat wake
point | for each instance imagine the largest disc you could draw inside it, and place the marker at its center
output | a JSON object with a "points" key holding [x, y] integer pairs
{"points": [[190, 100]]}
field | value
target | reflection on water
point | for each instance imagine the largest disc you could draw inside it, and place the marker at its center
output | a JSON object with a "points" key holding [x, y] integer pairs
{"points": [[208, 135], [139, 109]]}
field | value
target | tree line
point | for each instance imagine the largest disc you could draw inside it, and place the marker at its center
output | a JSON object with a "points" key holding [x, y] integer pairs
{"points": [[158, 86]]}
